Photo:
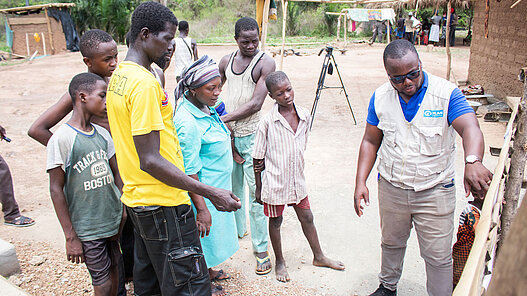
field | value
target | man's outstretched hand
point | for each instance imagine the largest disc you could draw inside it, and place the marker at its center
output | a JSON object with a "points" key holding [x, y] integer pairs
{"points": [[224, 200], [477, 179]]}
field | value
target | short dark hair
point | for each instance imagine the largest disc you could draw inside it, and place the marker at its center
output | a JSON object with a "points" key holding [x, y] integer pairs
{"points": [[91, 40], [83, 82], [398, 49], [274, 78], [151, 15], [245, 24], [183, 26]]}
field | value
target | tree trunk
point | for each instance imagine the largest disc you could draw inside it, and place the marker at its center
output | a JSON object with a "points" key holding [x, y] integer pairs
{"points": [[510, 270], [514, 181], [447, 40]]}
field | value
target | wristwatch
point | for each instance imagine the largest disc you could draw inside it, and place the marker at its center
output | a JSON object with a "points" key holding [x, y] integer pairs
{"points": [[470, 159]]}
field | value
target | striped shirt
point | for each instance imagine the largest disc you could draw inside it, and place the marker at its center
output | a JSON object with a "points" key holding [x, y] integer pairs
{"points": [[283, 180]]}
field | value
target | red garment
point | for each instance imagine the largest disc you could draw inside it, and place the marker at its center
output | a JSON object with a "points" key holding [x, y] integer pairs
{"points": [[465, 240]]}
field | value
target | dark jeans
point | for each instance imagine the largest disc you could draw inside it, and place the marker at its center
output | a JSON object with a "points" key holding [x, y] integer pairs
{"points": [[7, 196], [168, 255]]}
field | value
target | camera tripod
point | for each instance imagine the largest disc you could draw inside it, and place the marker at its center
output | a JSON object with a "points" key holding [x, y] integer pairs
{"points": [[327, 68]]}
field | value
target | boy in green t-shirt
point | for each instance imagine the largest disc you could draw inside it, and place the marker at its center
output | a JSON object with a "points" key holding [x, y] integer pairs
{"points": [[81, 159]]}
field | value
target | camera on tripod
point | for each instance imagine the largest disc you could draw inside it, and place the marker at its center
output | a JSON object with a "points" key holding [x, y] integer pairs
{"points": [[328, 49], [327, 68]]}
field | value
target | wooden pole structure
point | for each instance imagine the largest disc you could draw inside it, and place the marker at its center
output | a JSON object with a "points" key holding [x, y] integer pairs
{"points": [[447, 40], [44, 42], [338, 28], [510, 271], [27, 45], [265, 22], [284, 22], [345, 31], [514, 182], [388, 32], [49, 31]]}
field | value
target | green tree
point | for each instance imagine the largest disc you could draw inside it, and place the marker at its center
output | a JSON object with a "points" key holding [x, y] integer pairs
{"points": [[112, 16]]}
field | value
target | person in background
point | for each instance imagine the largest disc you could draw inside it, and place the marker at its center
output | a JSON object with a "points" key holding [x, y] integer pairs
{"points": [[12, 216], [186, 50]]}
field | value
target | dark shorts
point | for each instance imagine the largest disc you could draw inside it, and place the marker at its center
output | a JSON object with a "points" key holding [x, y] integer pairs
{"points": [[274, 211], [98, 256]]}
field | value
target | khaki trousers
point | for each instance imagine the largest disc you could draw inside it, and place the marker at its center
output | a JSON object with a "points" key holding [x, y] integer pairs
{"points": [[432, 213]]}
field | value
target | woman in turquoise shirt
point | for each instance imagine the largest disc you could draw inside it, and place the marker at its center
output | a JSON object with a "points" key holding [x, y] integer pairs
{"points": [[206, 145]]}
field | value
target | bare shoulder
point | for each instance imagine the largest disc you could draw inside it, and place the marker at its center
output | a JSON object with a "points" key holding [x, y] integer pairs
{"points": [[223, 62], [265, 66]]}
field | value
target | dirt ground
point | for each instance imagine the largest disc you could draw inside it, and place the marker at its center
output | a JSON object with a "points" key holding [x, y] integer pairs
{"points": [[27, 89]]}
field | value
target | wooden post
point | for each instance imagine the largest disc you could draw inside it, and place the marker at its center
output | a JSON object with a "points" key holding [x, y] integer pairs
{"points": [[284, 23], [345, 30], [514, 181], [447, 40], [388, 32], [338, 28], [49, 31], [44, 42], [27, 45], [265, 22]]}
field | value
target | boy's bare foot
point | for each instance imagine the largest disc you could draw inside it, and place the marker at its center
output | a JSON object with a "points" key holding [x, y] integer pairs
{"points": [[217, 290], [281, 272], [326, 262]]}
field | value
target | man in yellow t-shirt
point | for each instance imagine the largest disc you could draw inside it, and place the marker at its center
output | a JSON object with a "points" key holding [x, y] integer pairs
{"points": [[169, 260]]}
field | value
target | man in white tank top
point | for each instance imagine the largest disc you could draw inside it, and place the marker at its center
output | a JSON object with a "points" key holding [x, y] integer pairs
{"points": [[411, 125], [186, 50], [245, 71]]}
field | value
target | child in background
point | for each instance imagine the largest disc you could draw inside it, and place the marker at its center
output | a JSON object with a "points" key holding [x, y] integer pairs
{"points": [[280, 142], [85, 197]]}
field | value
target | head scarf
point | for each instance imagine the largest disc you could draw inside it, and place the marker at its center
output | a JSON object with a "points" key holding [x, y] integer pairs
{"points": [[197, 75]]}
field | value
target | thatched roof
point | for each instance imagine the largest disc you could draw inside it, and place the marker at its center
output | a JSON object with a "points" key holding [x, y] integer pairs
{"points": [[397, 4], [35, 8]]}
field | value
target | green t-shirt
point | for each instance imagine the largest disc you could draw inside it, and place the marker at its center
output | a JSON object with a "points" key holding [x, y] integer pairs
{"points": [[93, 199]]}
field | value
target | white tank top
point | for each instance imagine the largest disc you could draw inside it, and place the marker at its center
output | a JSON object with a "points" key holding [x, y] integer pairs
{"points": [[240, 87], [183, 54]]}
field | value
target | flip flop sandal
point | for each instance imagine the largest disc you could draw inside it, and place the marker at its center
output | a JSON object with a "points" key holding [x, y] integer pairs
{"points": [[244, 235], [219, 275], [260, 263], [20, 221]]}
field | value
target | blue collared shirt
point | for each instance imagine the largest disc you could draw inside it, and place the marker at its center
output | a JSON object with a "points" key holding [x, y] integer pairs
{"points": [[457, 105]]}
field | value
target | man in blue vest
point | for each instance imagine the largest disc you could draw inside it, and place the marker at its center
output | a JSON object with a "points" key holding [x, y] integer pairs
{"points": [[411, 126]]}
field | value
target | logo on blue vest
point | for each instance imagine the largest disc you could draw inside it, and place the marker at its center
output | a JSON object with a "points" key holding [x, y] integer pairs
{"points": [[433, 113]]}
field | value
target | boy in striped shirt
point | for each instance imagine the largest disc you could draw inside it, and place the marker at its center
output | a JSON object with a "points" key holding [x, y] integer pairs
{"points": [[280, 142]]}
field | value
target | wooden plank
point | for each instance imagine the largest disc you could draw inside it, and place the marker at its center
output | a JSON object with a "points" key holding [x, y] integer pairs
{"points": [[14, 21], [265, 23], [284, 19], [470, 281], [49, 31]]}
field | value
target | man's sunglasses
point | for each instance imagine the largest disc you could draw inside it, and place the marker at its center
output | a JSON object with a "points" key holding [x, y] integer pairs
{"points": [[401, 78]]}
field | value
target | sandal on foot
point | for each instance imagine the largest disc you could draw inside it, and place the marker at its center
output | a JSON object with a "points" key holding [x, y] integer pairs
{"points": [[20, 221], [244, 235], [260, 263], [221, 276]]}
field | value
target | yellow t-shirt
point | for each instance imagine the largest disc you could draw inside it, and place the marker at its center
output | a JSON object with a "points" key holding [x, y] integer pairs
{"points": [[137, 105]]}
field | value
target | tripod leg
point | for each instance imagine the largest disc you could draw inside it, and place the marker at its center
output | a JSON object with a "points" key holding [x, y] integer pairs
{"points": [[320, 86], [344, 88]]}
